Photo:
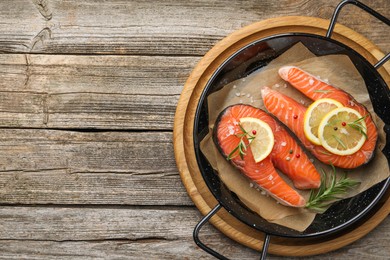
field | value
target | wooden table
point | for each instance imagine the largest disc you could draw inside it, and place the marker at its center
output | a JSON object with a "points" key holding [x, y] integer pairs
{"points": [[88, 95]]}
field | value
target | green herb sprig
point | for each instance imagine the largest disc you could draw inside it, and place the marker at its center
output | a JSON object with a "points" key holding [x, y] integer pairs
{"points": [[241, 147], [325, 152], [329, 191], [359, 127], [340, 141]]}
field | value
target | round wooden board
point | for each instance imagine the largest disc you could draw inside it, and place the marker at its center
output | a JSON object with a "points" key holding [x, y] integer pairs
{"points": [[184, 146]]}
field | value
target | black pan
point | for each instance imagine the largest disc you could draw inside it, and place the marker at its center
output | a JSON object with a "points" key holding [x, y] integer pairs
{"points": [[340, 215]]}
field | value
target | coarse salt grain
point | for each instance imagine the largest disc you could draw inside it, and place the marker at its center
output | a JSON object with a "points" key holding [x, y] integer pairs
{"points": [[283, 144], [238, 94], [231, 130], [311, 81], [344, 131]]}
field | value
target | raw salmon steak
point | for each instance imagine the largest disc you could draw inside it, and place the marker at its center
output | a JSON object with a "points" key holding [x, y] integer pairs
{"points": [[286, 155], [291, 113]]}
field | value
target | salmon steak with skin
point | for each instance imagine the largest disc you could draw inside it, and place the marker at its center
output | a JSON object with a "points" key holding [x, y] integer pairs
{"points": [[286, 155], [291, 113]]}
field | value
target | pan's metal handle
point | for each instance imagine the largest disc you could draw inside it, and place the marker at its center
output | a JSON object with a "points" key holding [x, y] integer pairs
{"points": [[368, 10], [211, 251]]}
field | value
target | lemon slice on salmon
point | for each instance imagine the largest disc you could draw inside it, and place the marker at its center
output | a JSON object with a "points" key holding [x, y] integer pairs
{"points": [[313, 116], [342, 131], [260, 136]]}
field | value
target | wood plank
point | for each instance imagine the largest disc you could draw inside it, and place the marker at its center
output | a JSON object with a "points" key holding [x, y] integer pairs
{"points": [[104, 92], [156, 27], [89, 224], [133, 232], [62, 167], [184, 248], [129, 234]]}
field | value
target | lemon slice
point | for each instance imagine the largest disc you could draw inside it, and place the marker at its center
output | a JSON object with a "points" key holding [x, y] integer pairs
{"points": [[342, 131], [313, 116], [260, 136]]}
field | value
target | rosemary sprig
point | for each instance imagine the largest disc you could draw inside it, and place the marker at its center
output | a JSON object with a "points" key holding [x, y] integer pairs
{"points": [[359, 127], [360, 119], [241, 147], [329, 191], [325, 152], [339, 141]]}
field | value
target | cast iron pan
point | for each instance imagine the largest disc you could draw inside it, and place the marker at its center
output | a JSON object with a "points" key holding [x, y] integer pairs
{"points": [[342, 214]]}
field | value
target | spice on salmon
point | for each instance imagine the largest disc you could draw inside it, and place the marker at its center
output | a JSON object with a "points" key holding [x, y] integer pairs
{"points": [[318, 90], [302, 172]]}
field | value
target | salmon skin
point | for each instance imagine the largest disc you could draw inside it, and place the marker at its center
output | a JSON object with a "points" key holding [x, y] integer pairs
{"points": [[286, 155], [291, 113]]}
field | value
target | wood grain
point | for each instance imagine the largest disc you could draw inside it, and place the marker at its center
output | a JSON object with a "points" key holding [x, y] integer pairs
{"points": [[88, 91], [131, 232], [110, 168], [80, 224], [104, 92], [155, 27]]}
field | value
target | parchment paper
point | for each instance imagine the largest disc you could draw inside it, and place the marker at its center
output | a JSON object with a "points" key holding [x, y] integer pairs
{"points": [[339, 71]]}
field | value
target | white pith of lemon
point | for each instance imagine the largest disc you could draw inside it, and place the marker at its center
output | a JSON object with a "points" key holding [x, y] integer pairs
{"points": [[342, 131], [262, 143], [313, 116]]}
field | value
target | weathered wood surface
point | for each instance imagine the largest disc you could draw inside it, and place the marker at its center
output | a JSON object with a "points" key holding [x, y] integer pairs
{"points": [[103, 92], [118, 67], [155, 27], [135, 233], [64, 167]]}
